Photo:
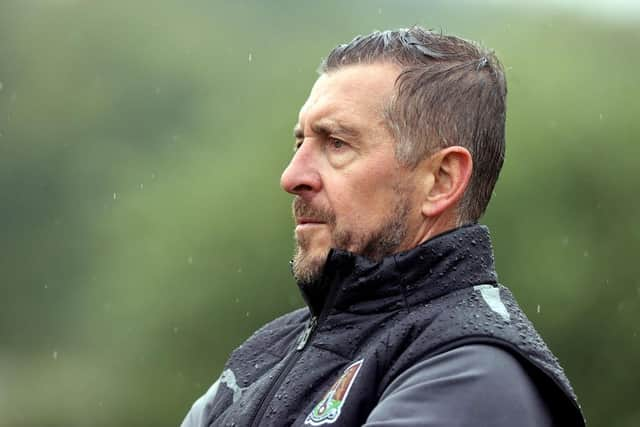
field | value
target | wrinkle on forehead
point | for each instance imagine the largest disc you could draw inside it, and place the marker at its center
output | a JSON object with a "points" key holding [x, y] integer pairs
{"points": [[355, 93]]}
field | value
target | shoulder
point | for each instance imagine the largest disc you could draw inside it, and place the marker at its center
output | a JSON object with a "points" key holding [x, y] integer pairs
{"points": [[282, 325], [292, 318], [273, 338], [476, 384]]}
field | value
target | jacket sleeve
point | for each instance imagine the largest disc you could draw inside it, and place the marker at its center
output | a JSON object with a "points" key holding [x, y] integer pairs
{"points": [[473, 385], [196, 416]]}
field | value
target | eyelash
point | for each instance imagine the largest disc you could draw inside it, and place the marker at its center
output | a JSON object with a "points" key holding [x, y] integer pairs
{"points": [[331, 141]]}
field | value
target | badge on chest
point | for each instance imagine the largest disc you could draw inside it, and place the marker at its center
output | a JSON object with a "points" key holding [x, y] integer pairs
{"points": [[328, 409]]}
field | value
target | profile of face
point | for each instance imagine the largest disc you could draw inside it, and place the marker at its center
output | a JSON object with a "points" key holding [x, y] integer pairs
{"points": [[350, 191]]}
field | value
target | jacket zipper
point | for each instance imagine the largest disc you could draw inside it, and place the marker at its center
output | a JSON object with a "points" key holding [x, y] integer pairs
{"points": [[293, 358], [306, 334]]}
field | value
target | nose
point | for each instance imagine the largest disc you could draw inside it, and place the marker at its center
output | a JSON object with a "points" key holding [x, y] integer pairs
{"points": [[301, 176]]}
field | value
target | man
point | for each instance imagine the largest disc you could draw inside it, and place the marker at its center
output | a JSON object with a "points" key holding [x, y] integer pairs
{"points": [[397, 151]]}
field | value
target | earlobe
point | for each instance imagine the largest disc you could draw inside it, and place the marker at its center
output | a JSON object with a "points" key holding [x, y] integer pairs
{"points": [[450, 172]]}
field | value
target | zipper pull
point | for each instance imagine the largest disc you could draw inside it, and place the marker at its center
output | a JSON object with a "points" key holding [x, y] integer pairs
{"points": [[311, 324]]}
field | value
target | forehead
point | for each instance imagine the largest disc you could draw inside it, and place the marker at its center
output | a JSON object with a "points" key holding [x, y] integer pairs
{"points": [[355, 93]]}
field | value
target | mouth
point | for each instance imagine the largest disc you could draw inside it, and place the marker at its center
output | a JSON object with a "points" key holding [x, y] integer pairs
{"points": [[307, 224], [302, 221]]}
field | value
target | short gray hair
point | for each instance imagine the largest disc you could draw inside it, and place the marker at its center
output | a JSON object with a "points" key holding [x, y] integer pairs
{"points": [[450, 91]]}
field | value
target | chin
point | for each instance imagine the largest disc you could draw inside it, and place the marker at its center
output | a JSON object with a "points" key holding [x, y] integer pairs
{"points": [[308, 264]]}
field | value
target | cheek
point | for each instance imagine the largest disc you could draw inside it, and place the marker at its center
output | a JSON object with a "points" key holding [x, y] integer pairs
{"points": [[359, 208], [363, 194]]}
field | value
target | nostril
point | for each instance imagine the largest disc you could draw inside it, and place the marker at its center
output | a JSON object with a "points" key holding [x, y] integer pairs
{"points": [[300, 188]]}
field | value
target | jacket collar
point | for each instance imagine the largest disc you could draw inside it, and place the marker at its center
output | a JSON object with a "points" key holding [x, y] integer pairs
{"points": [[454, 260]]}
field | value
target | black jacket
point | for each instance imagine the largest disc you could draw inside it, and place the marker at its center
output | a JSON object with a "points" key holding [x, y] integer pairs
{"points": [[367, 323]]}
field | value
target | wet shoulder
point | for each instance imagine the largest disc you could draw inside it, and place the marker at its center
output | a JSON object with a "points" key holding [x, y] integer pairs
{"points": [[485, 313], [276, 336]]}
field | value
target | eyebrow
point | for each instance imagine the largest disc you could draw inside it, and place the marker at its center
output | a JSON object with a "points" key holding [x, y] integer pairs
{"points": [[328, 127]]}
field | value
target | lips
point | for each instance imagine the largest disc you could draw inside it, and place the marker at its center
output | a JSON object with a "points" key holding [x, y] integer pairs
{"points": [[308, 221]]}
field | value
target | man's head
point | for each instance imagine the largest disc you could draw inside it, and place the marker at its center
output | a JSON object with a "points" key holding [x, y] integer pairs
{"points": [[401, 138]]}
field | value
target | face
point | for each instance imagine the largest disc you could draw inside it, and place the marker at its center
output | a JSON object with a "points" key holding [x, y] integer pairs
{"points": [[350, 191]]}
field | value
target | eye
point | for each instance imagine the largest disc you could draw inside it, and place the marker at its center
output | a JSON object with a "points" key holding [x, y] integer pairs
{"points": [[337, 144]]}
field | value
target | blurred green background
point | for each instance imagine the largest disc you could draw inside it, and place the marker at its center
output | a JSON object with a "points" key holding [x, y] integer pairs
{"points": [[143, 234]]}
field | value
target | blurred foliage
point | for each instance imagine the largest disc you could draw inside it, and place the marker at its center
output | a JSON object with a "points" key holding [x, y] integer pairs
{"points": [[144, 234]]}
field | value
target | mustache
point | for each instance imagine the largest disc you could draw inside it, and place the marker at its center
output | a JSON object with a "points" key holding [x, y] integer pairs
{"points": [[306, 210]]}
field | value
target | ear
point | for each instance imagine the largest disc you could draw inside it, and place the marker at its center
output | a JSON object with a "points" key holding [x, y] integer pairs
{"points": [[448, 178]]}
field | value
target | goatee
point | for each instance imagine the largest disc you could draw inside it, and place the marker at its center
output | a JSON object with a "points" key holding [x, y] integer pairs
{"points": [[374, 244]]}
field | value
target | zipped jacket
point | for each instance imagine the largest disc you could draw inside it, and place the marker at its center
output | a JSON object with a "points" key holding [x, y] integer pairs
{"points": [[368, 322]]}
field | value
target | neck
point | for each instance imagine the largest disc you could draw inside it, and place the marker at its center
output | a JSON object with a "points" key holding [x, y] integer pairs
{"points": [[431, 227]]}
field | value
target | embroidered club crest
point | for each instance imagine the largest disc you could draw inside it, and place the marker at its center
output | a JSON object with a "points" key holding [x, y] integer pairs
{"points": [[328, 409]]}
